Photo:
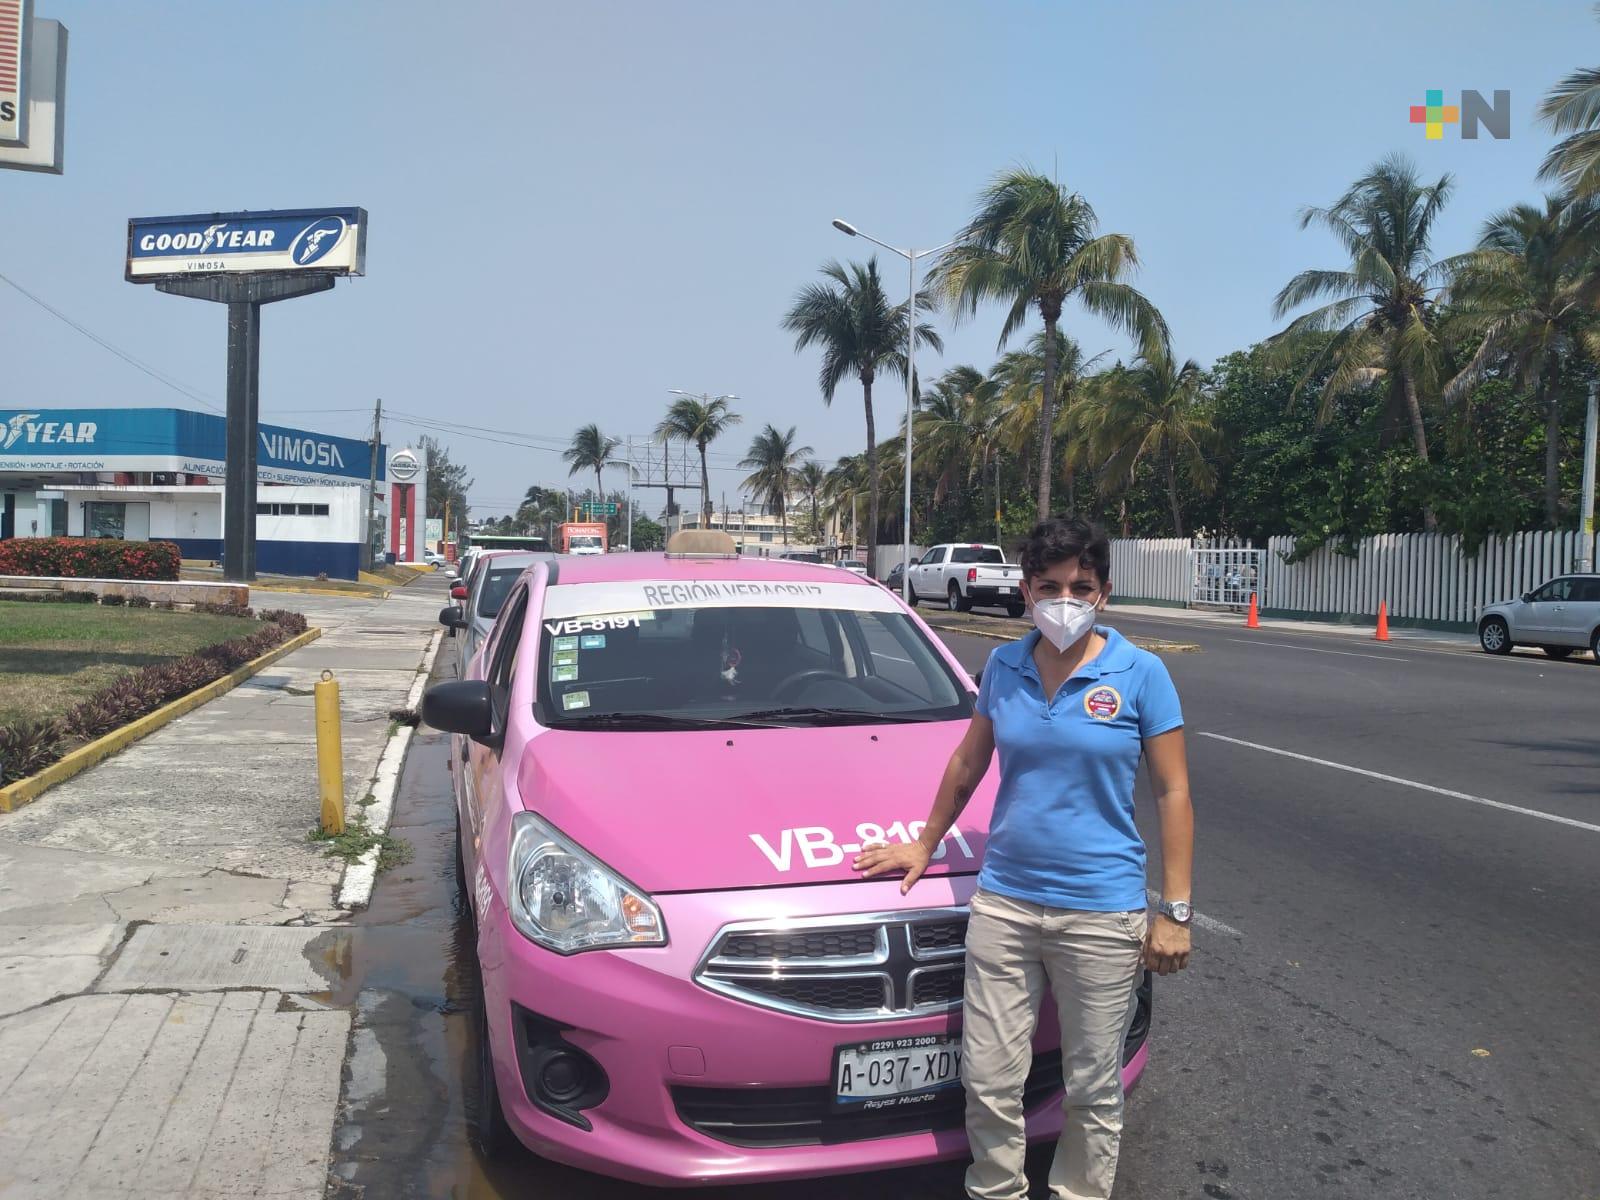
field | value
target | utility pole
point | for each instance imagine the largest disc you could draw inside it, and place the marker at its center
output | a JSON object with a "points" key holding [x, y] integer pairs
{"points": [[372, 482], [1586, 511]]}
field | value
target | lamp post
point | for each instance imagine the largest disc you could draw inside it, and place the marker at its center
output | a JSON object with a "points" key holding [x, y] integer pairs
{"points": [[911, 257]]}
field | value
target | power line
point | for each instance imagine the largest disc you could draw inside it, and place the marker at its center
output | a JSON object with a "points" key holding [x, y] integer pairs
{"points": [[154, 373]]}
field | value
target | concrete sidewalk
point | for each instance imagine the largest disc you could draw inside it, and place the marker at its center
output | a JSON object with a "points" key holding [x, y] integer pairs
{"points": [[164, 934]]}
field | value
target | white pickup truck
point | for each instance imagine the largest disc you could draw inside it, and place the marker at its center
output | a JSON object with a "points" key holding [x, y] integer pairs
{"points": [[962, 575]]}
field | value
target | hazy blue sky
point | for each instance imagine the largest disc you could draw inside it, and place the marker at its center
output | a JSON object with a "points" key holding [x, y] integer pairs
{"points": [[575, 207]]}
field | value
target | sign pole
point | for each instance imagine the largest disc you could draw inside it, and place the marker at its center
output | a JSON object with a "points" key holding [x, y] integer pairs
{"points": [[239, 493], [1586, 512]]}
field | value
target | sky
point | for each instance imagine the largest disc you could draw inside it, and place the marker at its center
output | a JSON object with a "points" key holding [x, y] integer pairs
{"points": [[577, 207]]}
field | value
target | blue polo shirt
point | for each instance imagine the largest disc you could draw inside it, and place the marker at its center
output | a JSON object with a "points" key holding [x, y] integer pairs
{"points": [[1063, 832]]}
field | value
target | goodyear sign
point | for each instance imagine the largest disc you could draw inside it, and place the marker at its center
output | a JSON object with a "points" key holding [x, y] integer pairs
{"points": [[171, 440], [323, 240]]}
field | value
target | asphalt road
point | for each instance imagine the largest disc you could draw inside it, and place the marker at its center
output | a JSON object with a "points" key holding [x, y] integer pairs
{"points": [[1396, 985]]}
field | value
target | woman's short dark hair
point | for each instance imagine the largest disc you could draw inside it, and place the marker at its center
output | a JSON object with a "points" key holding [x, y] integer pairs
{"points": [[1067, 539]]}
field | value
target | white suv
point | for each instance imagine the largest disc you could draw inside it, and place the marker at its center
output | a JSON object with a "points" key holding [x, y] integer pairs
{"points": [[1560, 617]]}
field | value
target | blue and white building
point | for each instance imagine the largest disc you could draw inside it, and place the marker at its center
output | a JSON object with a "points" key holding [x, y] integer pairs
{"points": [[156, 474]]}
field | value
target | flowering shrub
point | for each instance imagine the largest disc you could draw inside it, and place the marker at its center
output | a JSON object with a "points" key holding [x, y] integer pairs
{"points": [[89, 558], [27, 747]]}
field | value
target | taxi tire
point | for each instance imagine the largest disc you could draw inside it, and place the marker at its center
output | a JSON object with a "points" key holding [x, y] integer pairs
{"points": [[491, 1136]]}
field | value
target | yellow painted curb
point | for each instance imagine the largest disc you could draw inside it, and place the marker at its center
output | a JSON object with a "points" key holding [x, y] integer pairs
{"points": [[310, 589], [15, 795]]}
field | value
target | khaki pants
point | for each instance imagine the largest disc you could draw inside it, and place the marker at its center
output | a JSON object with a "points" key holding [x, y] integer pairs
{"points": [[1091, 962]]}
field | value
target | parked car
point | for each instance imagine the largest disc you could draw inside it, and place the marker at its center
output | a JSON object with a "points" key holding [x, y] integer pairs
{"points": [[854, 565], [964, 575], [683, 981], [805, 556], [1559, 617], [470, 621], [434, 559], [893, 580]]}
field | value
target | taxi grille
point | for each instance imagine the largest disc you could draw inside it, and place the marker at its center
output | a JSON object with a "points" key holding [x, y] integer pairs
{"points": [[869, 967]]}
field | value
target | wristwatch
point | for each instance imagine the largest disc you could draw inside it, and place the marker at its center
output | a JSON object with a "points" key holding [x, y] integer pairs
{"points": [[1179, 910]]}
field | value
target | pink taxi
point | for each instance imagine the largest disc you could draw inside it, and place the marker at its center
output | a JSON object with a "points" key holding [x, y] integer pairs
{"points": [[664, 765]]}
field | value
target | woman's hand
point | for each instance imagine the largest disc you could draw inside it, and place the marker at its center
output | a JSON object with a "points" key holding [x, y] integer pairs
{"points": [[880, 859], [1166, 946]]}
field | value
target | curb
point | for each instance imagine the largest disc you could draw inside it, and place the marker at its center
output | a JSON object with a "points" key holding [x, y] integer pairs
{"points": [[371, 592], [77, 761], [355, 891]]}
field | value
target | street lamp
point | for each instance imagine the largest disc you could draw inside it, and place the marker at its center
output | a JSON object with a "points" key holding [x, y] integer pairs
{"points": [[911, 257]]}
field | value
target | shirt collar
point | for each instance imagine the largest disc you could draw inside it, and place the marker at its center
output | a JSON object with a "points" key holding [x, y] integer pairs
{"points": [[1117, 655]]}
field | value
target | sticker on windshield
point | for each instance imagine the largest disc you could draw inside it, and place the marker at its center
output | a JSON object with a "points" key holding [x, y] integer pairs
{"points": [[574, 700], [566, 643], [564, 674], [564, 658], [582, 625], [594, 641]]}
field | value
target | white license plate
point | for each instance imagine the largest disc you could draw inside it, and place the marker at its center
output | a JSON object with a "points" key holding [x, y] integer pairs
{"points": [[1002, 588], [895, 1071]]}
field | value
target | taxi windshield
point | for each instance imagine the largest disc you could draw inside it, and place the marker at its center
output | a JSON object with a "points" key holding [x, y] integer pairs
{"points": [[730, 665]]}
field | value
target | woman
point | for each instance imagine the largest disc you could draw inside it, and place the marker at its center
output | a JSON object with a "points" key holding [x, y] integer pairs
{"points": [[1061, 897]]}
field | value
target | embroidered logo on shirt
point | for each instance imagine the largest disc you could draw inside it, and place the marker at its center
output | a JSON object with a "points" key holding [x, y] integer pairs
{"points": [[1102, 703]]}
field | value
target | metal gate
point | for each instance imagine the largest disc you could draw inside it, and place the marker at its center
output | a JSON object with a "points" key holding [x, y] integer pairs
{"points": [[1226, 578]]}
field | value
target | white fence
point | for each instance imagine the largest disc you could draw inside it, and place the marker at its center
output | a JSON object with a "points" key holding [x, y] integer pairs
{"points": [[1423, 577]]}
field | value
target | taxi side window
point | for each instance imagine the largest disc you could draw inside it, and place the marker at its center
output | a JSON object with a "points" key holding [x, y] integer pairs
{"points": [[502, 666]]}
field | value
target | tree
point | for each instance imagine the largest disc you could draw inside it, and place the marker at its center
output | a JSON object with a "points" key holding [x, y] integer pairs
{"points": [[590, 450], [647, 535], [810, 478], [1033, 244], [447, 483], [1526, 295], [1573, 108], [842, 490], [1019, 376], [701, 420], [1152, 413], [859, 332], [1382, 311], [773, 463]]}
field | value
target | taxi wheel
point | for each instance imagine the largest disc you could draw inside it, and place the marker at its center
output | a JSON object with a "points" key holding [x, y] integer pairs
{"points": [[1494, 635], [486, 1120]]}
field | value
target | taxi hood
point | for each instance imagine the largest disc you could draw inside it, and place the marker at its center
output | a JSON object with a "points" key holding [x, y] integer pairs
{"points": [[689, 811]]}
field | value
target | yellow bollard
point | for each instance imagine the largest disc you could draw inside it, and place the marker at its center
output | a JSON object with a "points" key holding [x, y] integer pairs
{"points": [[330, 754]]}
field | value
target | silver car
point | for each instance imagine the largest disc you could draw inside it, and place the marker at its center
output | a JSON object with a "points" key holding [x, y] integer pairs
{"points": [[487, 588], [1559, 617]]}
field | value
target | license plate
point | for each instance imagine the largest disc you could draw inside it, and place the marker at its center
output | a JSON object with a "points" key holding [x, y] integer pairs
{"points": [[1002, 588], [895, 1072]]}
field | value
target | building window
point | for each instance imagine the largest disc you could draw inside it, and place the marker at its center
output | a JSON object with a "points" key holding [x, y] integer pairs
{"points": [[101, 520], [58, 518], [291, 510]]}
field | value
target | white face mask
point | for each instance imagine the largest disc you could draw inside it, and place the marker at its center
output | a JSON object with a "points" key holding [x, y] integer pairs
{"points": [[1063, 621]]}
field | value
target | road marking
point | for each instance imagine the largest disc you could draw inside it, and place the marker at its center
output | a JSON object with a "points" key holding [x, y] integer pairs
{"points": [[1312, 649], [1209, 924], [1411, 783]]}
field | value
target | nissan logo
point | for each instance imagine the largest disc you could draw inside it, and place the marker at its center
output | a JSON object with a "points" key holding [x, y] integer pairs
{"points": [[403, 465]]}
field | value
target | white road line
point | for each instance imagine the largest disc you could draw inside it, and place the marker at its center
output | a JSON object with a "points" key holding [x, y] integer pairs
{"points": [[1313, 649], [1411, 783], [1209, 924]]}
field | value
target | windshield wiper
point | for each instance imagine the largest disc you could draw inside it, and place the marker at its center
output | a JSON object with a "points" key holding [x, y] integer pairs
{"points": [[654, 720], [838, 716]]}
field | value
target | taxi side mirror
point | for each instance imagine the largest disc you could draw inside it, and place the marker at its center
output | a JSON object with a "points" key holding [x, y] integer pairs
{"points": [[452, 618], [459, 706]]}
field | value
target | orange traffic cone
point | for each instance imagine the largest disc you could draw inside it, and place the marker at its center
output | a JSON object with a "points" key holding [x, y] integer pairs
{"points": [[1383, 622], [1253, 621]]}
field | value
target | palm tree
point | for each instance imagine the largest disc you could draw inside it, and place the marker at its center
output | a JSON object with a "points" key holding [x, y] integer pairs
{"points": [[1383, 307], [1527, 295], [1573, 108], [1033, 244], [859, 331], [701, 420], [842, 490], [590, 451], [1020, 378], [774, 463], [1151, 413], [811, 478], [953, 426]]}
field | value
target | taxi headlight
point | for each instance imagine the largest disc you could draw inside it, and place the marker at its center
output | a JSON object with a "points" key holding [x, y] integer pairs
{"points": [[566, 900]]}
